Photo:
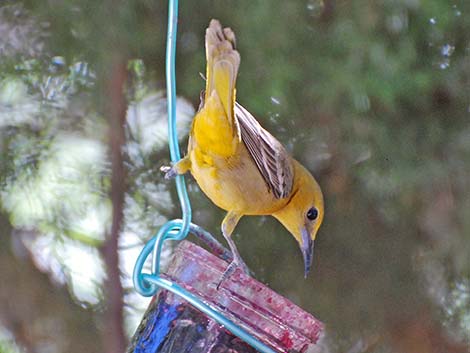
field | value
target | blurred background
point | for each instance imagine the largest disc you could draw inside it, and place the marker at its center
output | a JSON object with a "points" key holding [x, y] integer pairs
{"points": [[372, 96]]}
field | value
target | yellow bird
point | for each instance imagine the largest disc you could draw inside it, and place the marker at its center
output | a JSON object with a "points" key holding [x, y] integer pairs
{"points": [[240, 166]]}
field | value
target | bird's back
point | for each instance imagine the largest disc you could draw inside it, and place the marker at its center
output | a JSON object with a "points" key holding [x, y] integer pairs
{"points": [[221, 163]]}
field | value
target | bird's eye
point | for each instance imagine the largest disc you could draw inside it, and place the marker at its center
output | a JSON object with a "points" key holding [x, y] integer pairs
{"points": [[312, 214]]}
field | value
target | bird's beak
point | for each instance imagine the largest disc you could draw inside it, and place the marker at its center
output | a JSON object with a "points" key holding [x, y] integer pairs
{"points": [[307, 250]]}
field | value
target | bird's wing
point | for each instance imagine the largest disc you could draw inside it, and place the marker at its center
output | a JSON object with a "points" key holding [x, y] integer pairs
{"points": [[270, 156]]}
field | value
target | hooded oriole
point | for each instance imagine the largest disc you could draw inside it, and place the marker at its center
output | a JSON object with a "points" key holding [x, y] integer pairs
{"points": [[240, 166]]}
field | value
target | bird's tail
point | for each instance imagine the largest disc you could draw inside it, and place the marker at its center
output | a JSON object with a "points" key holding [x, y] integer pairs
{"points": [[223, 61]]}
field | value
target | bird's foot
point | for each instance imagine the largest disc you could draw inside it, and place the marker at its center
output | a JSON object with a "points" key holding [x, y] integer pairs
{"points": [[237, 263], [170, 172]]}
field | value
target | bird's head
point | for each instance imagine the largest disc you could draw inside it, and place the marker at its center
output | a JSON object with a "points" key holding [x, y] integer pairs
{"points": [[303, 214]]}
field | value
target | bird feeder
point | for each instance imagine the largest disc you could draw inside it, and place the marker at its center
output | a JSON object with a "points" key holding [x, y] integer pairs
{"points": [[173, 325]]}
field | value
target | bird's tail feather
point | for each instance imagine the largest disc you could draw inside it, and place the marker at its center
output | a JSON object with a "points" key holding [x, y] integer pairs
{"points": [[223, 61]]}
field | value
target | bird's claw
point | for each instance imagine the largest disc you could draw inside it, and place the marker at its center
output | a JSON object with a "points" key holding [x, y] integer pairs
{"points": [[170, 172], [231, 269]]}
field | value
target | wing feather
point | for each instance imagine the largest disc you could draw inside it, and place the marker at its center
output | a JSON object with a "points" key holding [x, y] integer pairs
{"points": [[270, 156]]}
